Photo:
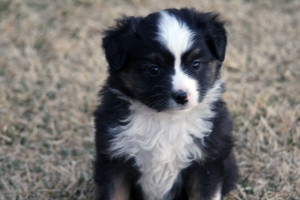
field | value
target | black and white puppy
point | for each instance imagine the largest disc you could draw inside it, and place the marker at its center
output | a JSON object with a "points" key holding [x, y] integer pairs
{"points": [[162, 130]]}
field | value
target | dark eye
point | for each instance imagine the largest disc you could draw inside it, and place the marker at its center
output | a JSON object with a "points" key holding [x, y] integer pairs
{"points": [[153, 70], [196, 64]]}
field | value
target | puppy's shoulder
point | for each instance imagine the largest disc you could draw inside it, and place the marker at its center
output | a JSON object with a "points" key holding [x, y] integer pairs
{"points": [[219, 143], [111, 104]]}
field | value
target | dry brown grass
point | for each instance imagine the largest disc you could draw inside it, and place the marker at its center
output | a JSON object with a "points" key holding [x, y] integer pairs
{"points": [[51, 68]]}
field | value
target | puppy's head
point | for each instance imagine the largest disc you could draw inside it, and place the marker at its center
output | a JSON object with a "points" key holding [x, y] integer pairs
{"points": [[167, 60]]}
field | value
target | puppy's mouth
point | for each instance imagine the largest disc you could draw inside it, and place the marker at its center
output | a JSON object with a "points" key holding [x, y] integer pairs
{"points": [[172, 105], [178, 100], [181, 107]]}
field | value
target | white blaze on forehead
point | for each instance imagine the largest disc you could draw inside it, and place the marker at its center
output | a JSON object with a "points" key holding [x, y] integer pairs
{"points": [[176, 36]]}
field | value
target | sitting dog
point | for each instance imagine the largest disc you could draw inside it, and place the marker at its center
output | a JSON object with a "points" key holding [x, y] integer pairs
{"points": [[162, 129]]}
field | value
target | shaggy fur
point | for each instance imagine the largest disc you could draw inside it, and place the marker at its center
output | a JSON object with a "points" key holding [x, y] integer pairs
{"points": [[162, 130]]}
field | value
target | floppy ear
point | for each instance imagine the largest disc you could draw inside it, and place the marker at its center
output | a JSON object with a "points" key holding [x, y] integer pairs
{"points": [[215, 33], [117, 41]]}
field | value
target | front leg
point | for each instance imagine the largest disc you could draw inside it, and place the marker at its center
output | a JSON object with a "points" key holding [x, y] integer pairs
{"points": [[111, 182], [203, 182], [117, 189]]}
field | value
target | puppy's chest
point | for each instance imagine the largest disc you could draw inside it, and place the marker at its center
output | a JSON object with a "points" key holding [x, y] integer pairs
{"points": [[162, 145]]}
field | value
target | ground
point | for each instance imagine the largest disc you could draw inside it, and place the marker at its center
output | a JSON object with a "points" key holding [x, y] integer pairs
{"points": [[52, 66]]}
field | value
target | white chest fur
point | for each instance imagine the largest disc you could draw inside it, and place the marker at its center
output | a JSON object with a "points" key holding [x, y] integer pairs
{"points": [[162, 142]]}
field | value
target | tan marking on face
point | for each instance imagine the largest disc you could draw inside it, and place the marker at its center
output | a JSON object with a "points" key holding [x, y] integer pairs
{"points": [[213, 67], [193, 54]]}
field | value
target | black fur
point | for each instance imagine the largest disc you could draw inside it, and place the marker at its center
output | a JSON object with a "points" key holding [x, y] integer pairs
{"points": [[130, 48]]}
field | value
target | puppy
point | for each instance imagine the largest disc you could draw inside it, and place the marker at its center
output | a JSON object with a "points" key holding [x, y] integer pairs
{"points": [[162, 129]]}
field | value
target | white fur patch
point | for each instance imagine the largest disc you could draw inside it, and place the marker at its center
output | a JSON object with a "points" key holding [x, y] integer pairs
{"points": [[174, 34], [217, 195], [162, 142], [178, 38]]}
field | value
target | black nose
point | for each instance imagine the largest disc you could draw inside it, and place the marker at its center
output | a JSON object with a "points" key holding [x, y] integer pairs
{"points": [[180, 97]]}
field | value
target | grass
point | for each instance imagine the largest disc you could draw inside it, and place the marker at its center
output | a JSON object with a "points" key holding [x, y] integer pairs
{"points": [[52, 66]]}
